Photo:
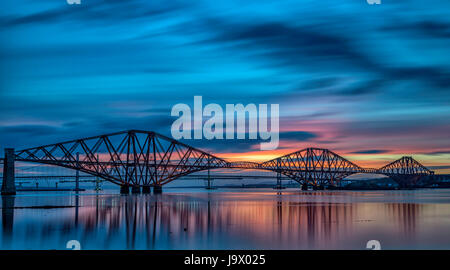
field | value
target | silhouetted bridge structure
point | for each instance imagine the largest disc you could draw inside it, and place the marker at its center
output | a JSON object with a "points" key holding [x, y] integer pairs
{"points": [[143, 159]]}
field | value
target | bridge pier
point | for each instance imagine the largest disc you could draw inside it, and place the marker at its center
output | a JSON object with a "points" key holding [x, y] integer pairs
{"points": [[146, 189], [9, 185], [318, 187], [125, 189], [304, 187], [278, 186], [406, 181], [157, 189], [136, 190]]}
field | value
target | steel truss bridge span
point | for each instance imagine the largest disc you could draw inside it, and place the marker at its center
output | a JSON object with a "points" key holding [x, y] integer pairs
{"points": [[142, 159]]}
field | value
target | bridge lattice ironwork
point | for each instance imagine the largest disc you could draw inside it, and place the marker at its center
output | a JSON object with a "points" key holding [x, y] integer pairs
{"points": [[143, 158], [135, 158]]}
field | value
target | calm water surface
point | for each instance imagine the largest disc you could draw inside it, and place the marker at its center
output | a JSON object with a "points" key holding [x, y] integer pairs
{"points": [[228, 219]]}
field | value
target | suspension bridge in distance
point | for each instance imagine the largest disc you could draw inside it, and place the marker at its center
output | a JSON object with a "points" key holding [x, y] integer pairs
{"points": [[145, 160]]}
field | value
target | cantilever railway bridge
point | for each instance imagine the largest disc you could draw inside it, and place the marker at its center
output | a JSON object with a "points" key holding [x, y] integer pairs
{"points": [[143, 159]]}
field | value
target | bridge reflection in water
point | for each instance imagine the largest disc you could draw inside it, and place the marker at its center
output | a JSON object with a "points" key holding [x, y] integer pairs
{"points": [[229, 220]]}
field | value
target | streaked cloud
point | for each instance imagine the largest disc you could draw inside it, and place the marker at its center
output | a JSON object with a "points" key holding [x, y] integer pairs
{"points": [[370, 83]]}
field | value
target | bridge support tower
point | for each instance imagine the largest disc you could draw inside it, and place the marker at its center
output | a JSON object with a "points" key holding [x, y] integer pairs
{"points": [[125, 189], [304, 186], [146, 189], [278, 186], [8, 185], [136, 189], [209, 186], [77, 174], [157, 189]]}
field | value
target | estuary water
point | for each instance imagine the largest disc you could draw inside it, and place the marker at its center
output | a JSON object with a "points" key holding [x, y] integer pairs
{"points": [[232, 218]]}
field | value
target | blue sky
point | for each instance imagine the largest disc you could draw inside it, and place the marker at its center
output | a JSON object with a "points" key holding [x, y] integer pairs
{"points": [[371, 82]]}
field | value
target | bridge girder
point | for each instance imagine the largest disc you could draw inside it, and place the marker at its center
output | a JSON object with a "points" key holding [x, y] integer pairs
{"points": [[406, 171], [406, 166], [143, 158], [135, 158], [315, 166]]}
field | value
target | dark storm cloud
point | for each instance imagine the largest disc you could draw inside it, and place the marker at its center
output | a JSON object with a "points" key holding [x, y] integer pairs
{"points": [[73, 124], [25, 136], [163, 70], [286, 45], [41, 17], [160, 111], [330, 86], [224, 146], [433, 76], [103, 11], [292, 45], [245, 145], [436, 29], [371, 151], [313, 84], [297, 136], [28, 129], [438, 153], [157, 122], [314, 48], [394, 126], [368, 87]]}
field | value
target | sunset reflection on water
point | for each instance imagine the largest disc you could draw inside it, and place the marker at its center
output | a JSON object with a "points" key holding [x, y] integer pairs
{"points": [[224, 219]]}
